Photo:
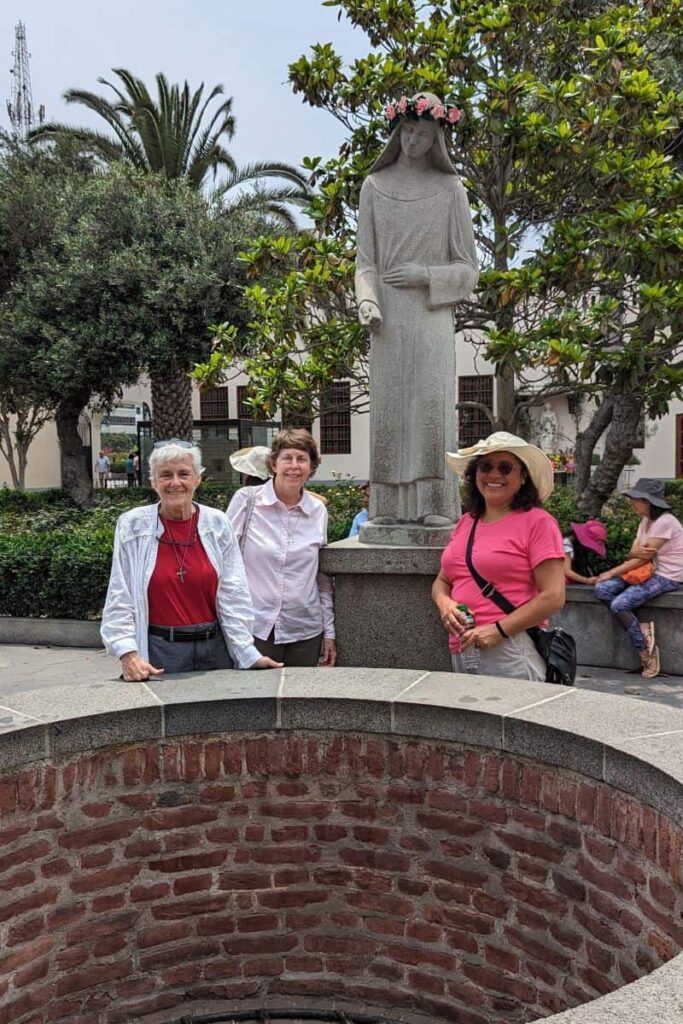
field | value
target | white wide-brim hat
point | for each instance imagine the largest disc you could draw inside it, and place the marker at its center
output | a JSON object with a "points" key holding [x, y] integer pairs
{"points": [[536, 461], [251, 461]]}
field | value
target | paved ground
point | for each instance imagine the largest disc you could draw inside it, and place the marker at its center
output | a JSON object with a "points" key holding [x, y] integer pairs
{"points": [[25, 669]]}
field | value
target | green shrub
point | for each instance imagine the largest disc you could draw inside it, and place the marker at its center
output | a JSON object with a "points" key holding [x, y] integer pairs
{"points": [[55, 558], [25, 501]]}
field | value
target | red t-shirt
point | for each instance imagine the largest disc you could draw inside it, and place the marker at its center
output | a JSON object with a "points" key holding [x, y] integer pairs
{"points": [[172, 603], [506, 553]]}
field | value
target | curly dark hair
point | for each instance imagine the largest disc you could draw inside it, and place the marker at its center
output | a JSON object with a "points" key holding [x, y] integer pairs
{"points": [[526, 497], [293, 437]]}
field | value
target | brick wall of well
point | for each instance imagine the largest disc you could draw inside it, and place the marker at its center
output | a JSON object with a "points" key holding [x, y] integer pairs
{"points": [[417, 877]]}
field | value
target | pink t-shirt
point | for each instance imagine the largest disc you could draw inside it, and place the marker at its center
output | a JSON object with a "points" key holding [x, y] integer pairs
{"points": [[669, 559], [506, 553]]}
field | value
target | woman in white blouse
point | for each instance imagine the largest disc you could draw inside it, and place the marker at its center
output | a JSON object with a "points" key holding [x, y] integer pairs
{"points": [[281, 529]]}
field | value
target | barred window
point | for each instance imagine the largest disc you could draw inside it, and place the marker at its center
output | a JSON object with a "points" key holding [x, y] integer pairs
{"points": [[473, 424], [335, 421], [244, 411], [213, 404]]}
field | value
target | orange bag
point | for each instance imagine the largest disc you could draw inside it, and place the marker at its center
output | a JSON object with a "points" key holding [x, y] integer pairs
{"points": [[639, 574]]}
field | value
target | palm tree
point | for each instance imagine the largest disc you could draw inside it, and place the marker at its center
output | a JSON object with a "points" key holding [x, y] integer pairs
{"points": [[176, 135]]}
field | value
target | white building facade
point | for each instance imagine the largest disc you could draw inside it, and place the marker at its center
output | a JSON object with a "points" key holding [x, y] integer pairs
{"points": [[223, 423]]}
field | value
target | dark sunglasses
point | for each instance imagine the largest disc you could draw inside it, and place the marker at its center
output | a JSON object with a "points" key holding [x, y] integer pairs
{"points": [[174, 440], [486, 466]]}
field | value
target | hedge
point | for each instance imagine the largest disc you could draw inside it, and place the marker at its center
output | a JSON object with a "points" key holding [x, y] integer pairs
{"points": [[55, 557]]}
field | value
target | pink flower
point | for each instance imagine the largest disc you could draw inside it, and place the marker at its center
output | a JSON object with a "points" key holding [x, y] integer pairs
{"points": [[402, 104], [453, 115], [438, 112], [390, 112], [421, 105]]}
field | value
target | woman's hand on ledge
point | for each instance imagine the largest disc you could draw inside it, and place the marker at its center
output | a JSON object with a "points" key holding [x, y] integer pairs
{"points": [[329, 653], [266, 663], [135, 669]]}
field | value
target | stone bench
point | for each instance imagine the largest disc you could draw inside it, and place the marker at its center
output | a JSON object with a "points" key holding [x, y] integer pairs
{"points": [[385, 616], [601, 641]]}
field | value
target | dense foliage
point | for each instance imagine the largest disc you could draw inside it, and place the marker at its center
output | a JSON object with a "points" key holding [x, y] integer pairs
{"points": [[179, 135], [140, 263], [566, 135], [55, 557]]}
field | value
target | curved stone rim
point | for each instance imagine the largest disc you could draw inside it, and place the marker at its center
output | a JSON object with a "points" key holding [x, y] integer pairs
{"points": [[635, 747]]}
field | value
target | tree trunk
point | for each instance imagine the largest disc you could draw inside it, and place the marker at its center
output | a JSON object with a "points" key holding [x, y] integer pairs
{"points": [[505, 400], [586, 440], [7, 450], [171, 406], [621, 440], [75, 478]]}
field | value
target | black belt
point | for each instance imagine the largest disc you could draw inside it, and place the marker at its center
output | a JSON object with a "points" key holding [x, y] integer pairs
{"points": [[185, 634]]}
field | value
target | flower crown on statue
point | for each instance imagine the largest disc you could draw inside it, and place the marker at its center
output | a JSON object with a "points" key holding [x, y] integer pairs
{"points": [[420, 109]]}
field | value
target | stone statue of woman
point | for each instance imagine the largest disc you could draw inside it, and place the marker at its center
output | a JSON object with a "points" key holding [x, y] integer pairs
{"points": [[416, 258]]}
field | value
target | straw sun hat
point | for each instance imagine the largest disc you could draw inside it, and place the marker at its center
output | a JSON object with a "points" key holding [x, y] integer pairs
{"points": [[251, 461], [536, 461]]}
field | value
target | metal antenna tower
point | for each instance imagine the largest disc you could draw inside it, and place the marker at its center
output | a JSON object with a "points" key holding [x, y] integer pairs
{"points": [[20, 106]]}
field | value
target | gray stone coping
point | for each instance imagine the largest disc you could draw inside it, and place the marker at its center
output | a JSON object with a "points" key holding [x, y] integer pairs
{"points": [[577, 593], [53, 632], [635, 747]]}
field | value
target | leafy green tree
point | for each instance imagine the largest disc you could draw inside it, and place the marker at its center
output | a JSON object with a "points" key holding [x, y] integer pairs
{"points": [[29, 182], [178, 136], [134, 266], [564, 122]]}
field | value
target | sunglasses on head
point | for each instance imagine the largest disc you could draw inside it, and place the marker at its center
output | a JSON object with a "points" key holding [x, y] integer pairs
{"points": [[174, 440], [486, 466]]}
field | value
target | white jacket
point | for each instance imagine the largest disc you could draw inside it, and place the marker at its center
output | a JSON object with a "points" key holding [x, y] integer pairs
{"points": [[125, 618]]}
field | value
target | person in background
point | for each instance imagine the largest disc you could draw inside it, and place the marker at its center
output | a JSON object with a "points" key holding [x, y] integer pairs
{"points": [[103, 467], [251, 464], [517, 547], [659, 539], [362, 516], [130, 469], [581, 544], [281, 529], [136, 468], [178, 599]]}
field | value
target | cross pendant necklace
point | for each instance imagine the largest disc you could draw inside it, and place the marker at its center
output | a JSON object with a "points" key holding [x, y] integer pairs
{"points": [[182, 571]]}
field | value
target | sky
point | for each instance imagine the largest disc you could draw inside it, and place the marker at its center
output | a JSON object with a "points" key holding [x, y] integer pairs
{"points": [[245, 46]]}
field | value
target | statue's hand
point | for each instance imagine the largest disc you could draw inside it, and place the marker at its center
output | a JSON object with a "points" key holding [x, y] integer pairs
{"points": [[369, 314], [408, 275]]}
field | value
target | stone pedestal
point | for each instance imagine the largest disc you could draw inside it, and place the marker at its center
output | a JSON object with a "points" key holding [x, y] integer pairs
{"points": [[384, 614], [407, 535]]}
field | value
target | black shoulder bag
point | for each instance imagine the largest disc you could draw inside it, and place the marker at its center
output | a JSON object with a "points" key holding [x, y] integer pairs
{"points": [[556, 647]]}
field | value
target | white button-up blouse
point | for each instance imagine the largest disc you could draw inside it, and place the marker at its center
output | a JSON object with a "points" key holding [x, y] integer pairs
{"points": [[280, 555]]}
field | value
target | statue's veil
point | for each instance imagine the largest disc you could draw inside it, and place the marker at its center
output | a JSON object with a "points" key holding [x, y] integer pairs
{"points": [[438, 153]]}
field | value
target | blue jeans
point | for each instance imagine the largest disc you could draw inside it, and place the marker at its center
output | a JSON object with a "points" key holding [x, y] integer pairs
{"points": [[622, 598]]}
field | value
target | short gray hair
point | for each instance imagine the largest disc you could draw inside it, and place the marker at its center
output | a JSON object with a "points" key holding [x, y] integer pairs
{"points": [[172, 452]]}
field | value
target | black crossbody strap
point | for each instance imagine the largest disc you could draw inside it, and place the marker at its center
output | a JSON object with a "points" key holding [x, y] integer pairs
{"points": [[487, 588]]}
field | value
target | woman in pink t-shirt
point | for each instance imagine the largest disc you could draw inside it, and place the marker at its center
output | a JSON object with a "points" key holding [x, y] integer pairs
{"points": [[517, 547], [659, 538]]}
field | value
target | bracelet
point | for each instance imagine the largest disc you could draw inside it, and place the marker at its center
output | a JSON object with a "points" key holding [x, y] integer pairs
{"points": [[501, 631]]}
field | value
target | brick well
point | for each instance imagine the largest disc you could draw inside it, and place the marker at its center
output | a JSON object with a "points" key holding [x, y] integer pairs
{"points": [[427, 879]]}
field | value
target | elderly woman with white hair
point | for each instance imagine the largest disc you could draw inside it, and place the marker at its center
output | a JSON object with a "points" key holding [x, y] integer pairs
{"points": [[178, 599]]}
